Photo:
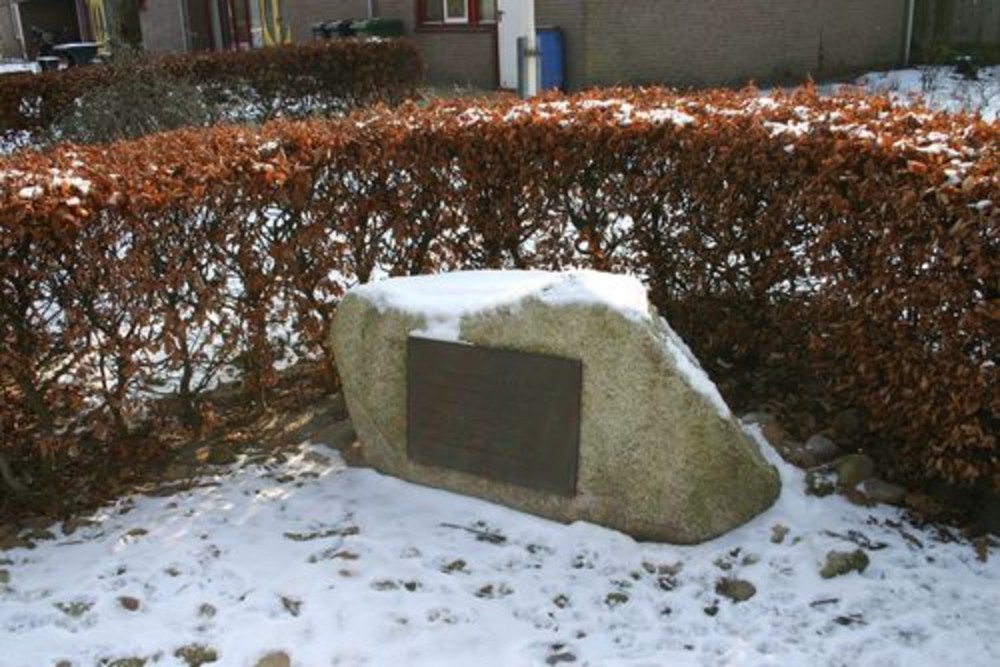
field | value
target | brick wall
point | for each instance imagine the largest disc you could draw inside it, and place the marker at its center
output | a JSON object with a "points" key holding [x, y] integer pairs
{"points": [[10, 47], [976, 22], [461, 58], [678, 42], [714, 42], [945, 26], [455, 57], [162, 25]]}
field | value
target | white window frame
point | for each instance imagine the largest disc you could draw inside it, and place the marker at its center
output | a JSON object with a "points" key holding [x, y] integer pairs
{"points": [[464, 19]]}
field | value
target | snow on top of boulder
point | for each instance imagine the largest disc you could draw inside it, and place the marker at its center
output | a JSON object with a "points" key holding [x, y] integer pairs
{"points": [[444, 299]]}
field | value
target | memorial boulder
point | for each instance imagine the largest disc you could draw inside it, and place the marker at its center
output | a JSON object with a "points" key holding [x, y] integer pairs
{"points": [[560, 394]]}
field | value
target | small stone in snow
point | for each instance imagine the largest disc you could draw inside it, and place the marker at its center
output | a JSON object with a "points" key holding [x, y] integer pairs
{"points": [[4, 577], [127, 662], [778, 533], [557, 658], [843, 562], [275, 659], [454, 566], [128, 602], [206, 610], [737, 590], [819, 483], [196, 655], [616, 599]]}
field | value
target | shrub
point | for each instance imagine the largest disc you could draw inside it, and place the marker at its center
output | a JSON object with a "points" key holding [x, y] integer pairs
{"points": [[856, 240], [250, 86], [136, 99]]}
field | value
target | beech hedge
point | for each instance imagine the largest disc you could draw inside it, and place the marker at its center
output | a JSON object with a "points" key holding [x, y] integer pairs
{"points": [[855, 239]]}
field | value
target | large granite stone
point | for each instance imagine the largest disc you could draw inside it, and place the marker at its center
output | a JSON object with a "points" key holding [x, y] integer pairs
{"points": [[660, 456]]}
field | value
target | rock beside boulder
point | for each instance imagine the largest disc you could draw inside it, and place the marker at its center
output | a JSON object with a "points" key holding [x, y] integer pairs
{"points": [[196, 655], [276, 659], [853, 469], [660, 455], [130, 603], [820, 483], [849, 423], [839, 563], [883, 492], [737, 590], [770, 427], [820, 449]]}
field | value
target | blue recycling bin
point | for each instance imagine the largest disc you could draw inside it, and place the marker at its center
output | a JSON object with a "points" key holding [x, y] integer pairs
{"points": [[552, 45]]}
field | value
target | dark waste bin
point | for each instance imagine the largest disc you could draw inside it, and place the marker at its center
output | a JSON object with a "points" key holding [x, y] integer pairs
{"points": [[378, 27], [332, 29], [48, 63], [320, 31], [341, 27], [552, 46], [77, 54]]}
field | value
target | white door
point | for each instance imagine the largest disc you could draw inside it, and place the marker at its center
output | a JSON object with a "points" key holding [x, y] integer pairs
{"points": [[515, 19]]}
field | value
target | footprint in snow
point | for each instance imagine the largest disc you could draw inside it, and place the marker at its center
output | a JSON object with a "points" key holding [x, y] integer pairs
{"points": [[494, 591], [391, 585], [453, 567], [446, 616], [323, 533]]}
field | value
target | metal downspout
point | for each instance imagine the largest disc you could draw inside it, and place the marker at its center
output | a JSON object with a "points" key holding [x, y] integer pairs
{"points": [[908, 43]]}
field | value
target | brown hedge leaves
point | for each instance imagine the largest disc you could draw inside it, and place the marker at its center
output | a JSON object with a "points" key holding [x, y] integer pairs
{"points": [[856, 239]]}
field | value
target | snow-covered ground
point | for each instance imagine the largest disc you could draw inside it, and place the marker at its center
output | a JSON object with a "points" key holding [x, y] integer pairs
{"points": [[940, 88], [342, 566]]}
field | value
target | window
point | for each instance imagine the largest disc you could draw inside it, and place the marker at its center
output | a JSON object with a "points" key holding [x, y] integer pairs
{"points": [[458, 12], [487, 11]]}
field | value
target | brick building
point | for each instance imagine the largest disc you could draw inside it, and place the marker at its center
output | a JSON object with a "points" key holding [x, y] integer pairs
{"points": [[678, 42]]}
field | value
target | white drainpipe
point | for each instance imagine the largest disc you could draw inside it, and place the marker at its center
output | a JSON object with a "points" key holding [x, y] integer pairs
{"points": [[371, 9], [532, 54], [908, 44]]}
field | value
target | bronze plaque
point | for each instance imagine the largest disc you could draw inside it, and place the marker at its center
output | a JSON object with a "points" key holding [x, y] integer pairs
{"points": [[507, 416]]}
